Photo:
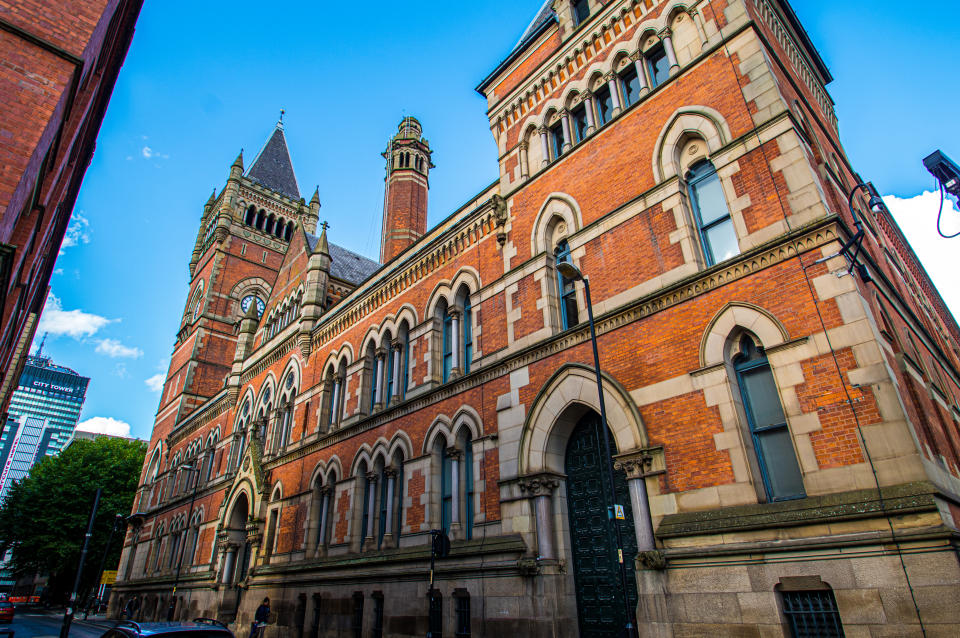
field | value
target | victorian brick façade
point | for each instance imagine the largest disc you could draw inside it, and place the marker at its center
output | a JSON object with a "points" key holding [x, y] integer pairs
{"points": [[786, 429]]}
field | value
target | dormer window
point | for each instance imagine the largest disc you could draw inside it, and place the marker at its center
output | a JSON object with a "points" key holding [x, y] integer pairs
{"points": [[581, 11]]}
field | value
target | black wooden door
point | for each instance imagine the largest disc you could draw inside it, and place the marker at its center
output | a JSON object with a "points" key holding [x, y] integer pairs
{"points": [[599, 601]]}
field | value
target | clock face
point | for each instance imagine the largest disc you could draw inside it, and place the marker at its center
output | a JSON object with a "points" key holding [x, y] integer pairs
{"points": [[249, 299]]}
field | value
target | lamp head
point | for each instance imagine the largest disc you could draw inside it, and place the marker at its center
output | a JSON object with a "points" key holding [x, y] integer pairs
{"points": [[876, 203], [569, 271]]}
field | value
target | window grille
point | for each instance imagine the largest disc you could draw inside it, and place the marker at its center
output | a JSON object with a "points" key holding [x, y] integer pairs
{"points": [[377, 631], [356, 623], [812, 614], [462, 611]]}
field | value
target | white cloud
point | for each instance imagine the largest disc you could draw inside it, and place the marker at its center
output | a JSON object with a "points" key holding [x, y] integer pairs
{"points": [[78, 232], [146, 152], [121, 370], [917, 217], [114, 349], [75, 323], [105, 425], [155, 383]]}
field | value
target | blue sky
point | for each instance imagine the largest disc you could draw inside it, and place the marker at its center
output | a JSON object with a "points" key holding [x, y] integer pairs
{"points": [[204, 79]]}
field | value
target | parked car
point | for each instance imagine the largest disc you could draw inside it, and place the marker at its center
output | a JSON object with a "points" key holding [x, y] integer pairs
{"points": [[6, 611], [198, 628]]}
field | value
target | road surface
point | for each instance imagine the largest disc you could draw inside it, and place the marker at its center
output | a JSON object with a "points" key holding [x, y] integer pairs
{"points": [[31, 624]]}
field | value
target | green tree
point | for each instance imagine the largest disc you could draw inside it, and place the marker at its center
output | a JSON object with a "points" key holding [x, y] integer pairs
{"points": [[44, 517]]}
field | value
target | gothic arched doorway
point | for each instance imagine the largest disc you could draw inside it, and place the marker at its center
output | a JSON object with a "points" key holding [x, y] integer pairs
{"points": [[592, 540]]}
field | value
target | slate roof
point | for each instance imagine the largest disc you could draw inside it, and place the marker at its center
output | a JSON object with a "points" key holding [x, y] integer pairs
{"points": [[273, 168], [349, 266], [544, 18], [346, 264], [544, 15]]}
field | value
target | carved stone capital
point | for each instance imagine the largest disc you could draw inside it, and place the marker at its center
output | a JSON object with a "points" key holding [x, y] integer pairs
{"points": [[524, 145], [539, 485], [454, 454], [638, 464], [542, 130], [390, 472], [665, 32], [372, 477], [326, 490]]}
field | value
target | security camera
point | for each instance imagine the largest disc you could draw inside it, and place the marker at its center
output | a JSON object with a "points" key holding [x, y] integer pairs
{"points": [[946, 172]]}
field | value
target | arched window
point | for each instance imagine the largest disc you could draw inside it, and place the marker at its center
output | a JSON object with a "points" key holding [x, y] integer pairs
{"points": [[371, 372], [713, 217], [261, 219], [466, 442], [240, 437], [467, 334], [284, 429], [447, 339], [390, 363], [658, 65], [281, 226], [251, 217], [288, 233], [567, 292], [446, 487], [271, 220], [772, 441]]}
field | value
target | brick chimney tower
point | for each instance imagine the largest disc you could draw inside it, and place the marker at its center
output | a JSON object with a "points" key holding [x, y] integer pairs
{"points": [[407, 184]]}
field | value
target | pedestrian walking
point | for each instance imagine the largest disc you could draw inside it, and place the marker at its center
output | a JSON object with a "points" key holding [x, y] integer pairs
{"points": [[260, 618]]}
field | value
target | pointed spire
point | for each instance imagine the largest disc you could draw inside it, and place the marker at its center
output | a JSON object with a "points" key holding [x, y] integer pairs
{"points": [[238, 163], [213, 197], [322, 247], [273, 167], [316, 197]]}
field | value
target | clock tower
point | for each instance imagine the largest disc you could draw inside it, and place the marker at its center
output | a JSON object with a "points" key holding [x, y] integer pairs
{"points": [[244, 232]]}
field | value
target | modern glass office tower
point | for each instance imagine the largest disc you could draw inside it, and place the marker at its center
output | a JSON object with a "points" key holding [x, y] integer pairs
{"points": [[43, 414]]}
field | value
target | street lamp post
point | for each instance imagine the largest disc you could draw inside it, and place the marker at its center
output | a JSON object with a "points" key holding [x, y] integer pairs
{"points": [[572, 273], [176, 580], [117, 524]]}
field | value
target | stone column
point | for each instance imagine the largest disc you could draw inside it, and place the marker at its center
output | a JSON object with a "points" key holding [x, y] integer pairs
{"points": [[565, 128], [524, 167], [591, 121], [639, 63], [455, 342], [335, 395], [378, 376], [614, 94], [637, 467], [325, 492], [388, 536], [396, 347], [667, 39], [701, 28], [540, 490], [455, 457], [229, 562], [545, 146], [342, 410], [369, 541]]}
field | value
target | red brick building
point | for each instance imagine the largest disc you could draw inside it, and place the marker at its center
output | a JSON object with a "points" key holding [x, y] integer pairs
{"points": [[60, 61], [786, 433]]}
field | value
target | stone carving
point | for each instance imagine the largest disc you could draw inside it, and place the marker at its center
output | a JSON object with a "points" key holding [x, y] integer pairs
{"points": [[652, 559], [538, 485]]}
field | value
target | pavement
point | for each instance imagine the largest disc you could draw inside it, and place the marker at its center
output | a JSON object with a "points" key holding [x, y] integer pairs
{"points": [[33, 622]]}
